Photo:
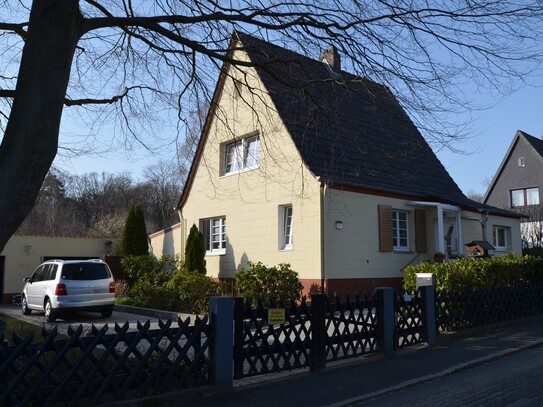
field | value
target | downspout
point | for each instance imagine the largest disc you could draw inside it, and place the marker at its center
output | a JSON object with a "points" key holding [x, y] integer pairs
{"points": [[323, 240], [181, 235], [483, 223]]}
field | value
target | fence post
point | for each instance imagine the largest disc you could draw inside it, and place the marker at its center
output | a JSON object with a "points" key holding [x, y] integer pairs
{"points": [[385, 320], [221, 312], [429, 313], [238, 337], [317, 353]]}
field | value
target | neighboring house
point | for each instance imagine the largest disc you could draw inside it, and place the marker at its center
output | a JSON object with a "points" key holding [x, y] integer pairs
{"points": [[23, 253], [300, 162], [517, 185]]}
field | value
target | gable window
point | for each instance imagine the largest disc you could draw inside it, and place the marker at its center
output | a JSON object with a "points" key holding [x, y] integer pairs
{"points": [[521, 162], [285, 232], [499, 237], [242, 155], [400, 231], [524, 197], [214, 232]]}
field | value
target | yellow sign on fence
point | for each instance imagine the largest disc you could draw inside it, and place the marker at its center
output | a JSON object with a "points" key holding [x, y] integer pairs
{"points": [[276, 316]]}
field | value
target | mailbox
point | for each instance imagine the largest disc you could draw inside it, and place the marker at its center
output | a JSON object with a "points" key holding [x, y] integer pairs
{"points": [[425, 279]]}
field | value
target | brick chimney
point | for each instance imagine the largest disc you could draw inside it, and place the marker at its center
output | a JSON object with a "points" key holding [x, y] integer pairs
{"points": [[332, 58]]}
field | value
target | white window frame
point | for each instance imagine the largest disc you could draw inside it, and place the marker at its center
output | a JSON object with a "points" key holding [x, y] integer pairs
{"points": [[400, 243], [526, 196], [214, 232], [495, 240], [286, 233], [242, 155]]}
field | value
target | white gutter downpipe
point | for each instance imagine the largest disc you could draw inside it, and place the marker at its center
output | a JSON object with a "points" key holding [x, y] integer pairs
{"points": [[323, 188], [440, 230]]}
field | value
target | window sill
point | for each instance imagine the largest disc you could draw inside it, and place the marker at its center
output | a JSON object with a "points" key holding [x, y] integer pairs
{"points": [[238, 172], [213, 254], [286, 249], [398, 251]]}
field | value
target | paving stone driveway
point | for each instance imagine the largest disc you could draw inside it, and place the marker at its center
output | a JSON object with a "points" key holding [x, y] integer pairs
{"points": [[87, 319]]}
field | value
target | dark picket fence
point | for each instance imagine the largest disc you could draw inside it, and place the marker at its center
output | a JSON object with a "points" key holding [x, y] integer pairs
{"points": [[124, 365], [327, 329], [100, 367], [457, 310], [351, 326], [409, 327]]}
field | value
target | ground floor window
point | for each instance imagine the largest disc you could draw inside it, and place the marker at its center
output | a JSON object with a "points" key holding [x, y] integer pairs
{"points": [[499, 237], [400, 232], [214, 232]]}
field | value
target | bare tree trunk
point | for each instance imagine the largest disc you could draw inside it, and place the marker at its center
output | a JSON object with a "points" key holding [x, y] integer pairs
{"points": [[31, 138]]}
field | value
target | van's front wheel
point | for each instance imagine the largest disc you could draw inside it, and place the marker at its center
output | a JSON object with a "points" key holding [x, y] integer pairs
{"points": [[24, 306]]}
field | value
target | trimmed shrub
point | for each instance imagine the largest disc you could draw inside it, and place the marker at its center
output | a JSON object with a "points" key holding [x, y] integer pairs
{"points": [[134, 237], [467, 274], [195, 251], [265, 283]]}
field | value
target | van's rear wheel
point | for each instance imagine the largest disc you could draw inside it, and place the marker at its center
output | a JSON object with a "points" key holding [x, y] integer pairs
{"points": [[49, 313], [106, 314]]}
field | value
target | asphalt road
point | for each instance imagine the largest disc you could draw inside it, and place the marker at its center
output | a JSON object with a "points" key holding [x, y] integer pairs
{"points": [[516, 380]]}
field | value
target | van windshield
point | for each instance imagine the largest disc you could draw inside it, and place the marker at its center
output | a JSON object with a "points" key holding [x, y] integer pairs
{"points": [[85, 271]]}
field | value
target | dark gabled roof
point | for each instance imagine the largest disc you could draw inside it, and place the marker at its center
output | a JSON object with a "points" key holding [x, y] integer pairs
{"points": [[350, 131], [536, 143]]}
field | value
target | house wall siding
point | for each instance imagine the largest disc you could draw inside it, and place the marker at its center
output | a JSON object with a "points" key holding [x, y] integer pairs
{"points": [[168, 242], [250, 200], [353, 251]]}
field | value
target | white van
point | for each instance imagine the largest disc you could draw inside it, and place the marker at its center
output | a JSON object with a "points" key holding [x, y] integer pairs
{"points": [[57, 286]]}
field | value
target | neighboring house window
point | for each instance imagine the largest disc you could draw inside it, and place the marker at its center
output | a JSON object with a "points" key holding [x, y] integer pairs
{"points": [[242, 155], [400, 231], [521, 162], [524, 197], [499, 237], [285, 235], [214, 232]]}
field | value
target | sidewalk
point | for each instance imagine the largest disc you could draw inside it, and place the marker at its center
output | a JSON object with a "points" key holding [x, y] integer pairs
{"points": [[358, 379]]}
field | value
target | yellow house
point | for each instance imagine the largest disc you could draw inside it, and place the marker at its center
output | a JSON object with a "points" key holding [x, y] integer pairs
{"points": [[301, 162]]}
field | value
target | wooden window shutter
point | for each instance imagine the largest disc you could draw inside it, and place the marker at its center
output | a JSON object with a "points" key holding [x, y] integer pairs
{"points": [[420, 230], [385, 228]]}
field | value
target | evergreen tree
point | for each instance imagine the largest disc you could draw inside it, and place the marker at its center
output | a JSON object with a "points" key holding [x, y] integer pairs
{"points": [[195, 251], [134, 238]]}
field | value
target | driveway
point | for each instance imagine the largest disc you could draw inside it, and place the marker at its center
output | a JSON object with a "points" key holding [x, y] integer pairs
{"points": [[87, 319]]}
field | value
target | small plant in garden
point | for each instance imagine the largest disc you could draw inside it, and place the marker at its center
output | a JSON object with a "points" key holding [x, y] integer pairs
{"points": [[191, 290], [265, 283]]}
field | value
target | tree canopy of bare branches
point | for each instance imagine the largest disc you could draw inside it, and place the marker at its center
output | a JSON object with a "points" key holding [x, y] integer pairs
{"points": [[135, 68]]}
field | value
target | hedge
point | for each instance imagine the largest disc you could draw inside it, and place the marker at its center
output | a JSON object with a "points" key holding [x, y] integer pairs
{"points": [[477, 273]]}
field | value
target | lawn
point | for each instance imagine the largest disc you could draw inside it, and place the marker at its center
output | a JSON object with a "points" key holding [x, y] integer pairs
{"points": [[21, 328]]}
